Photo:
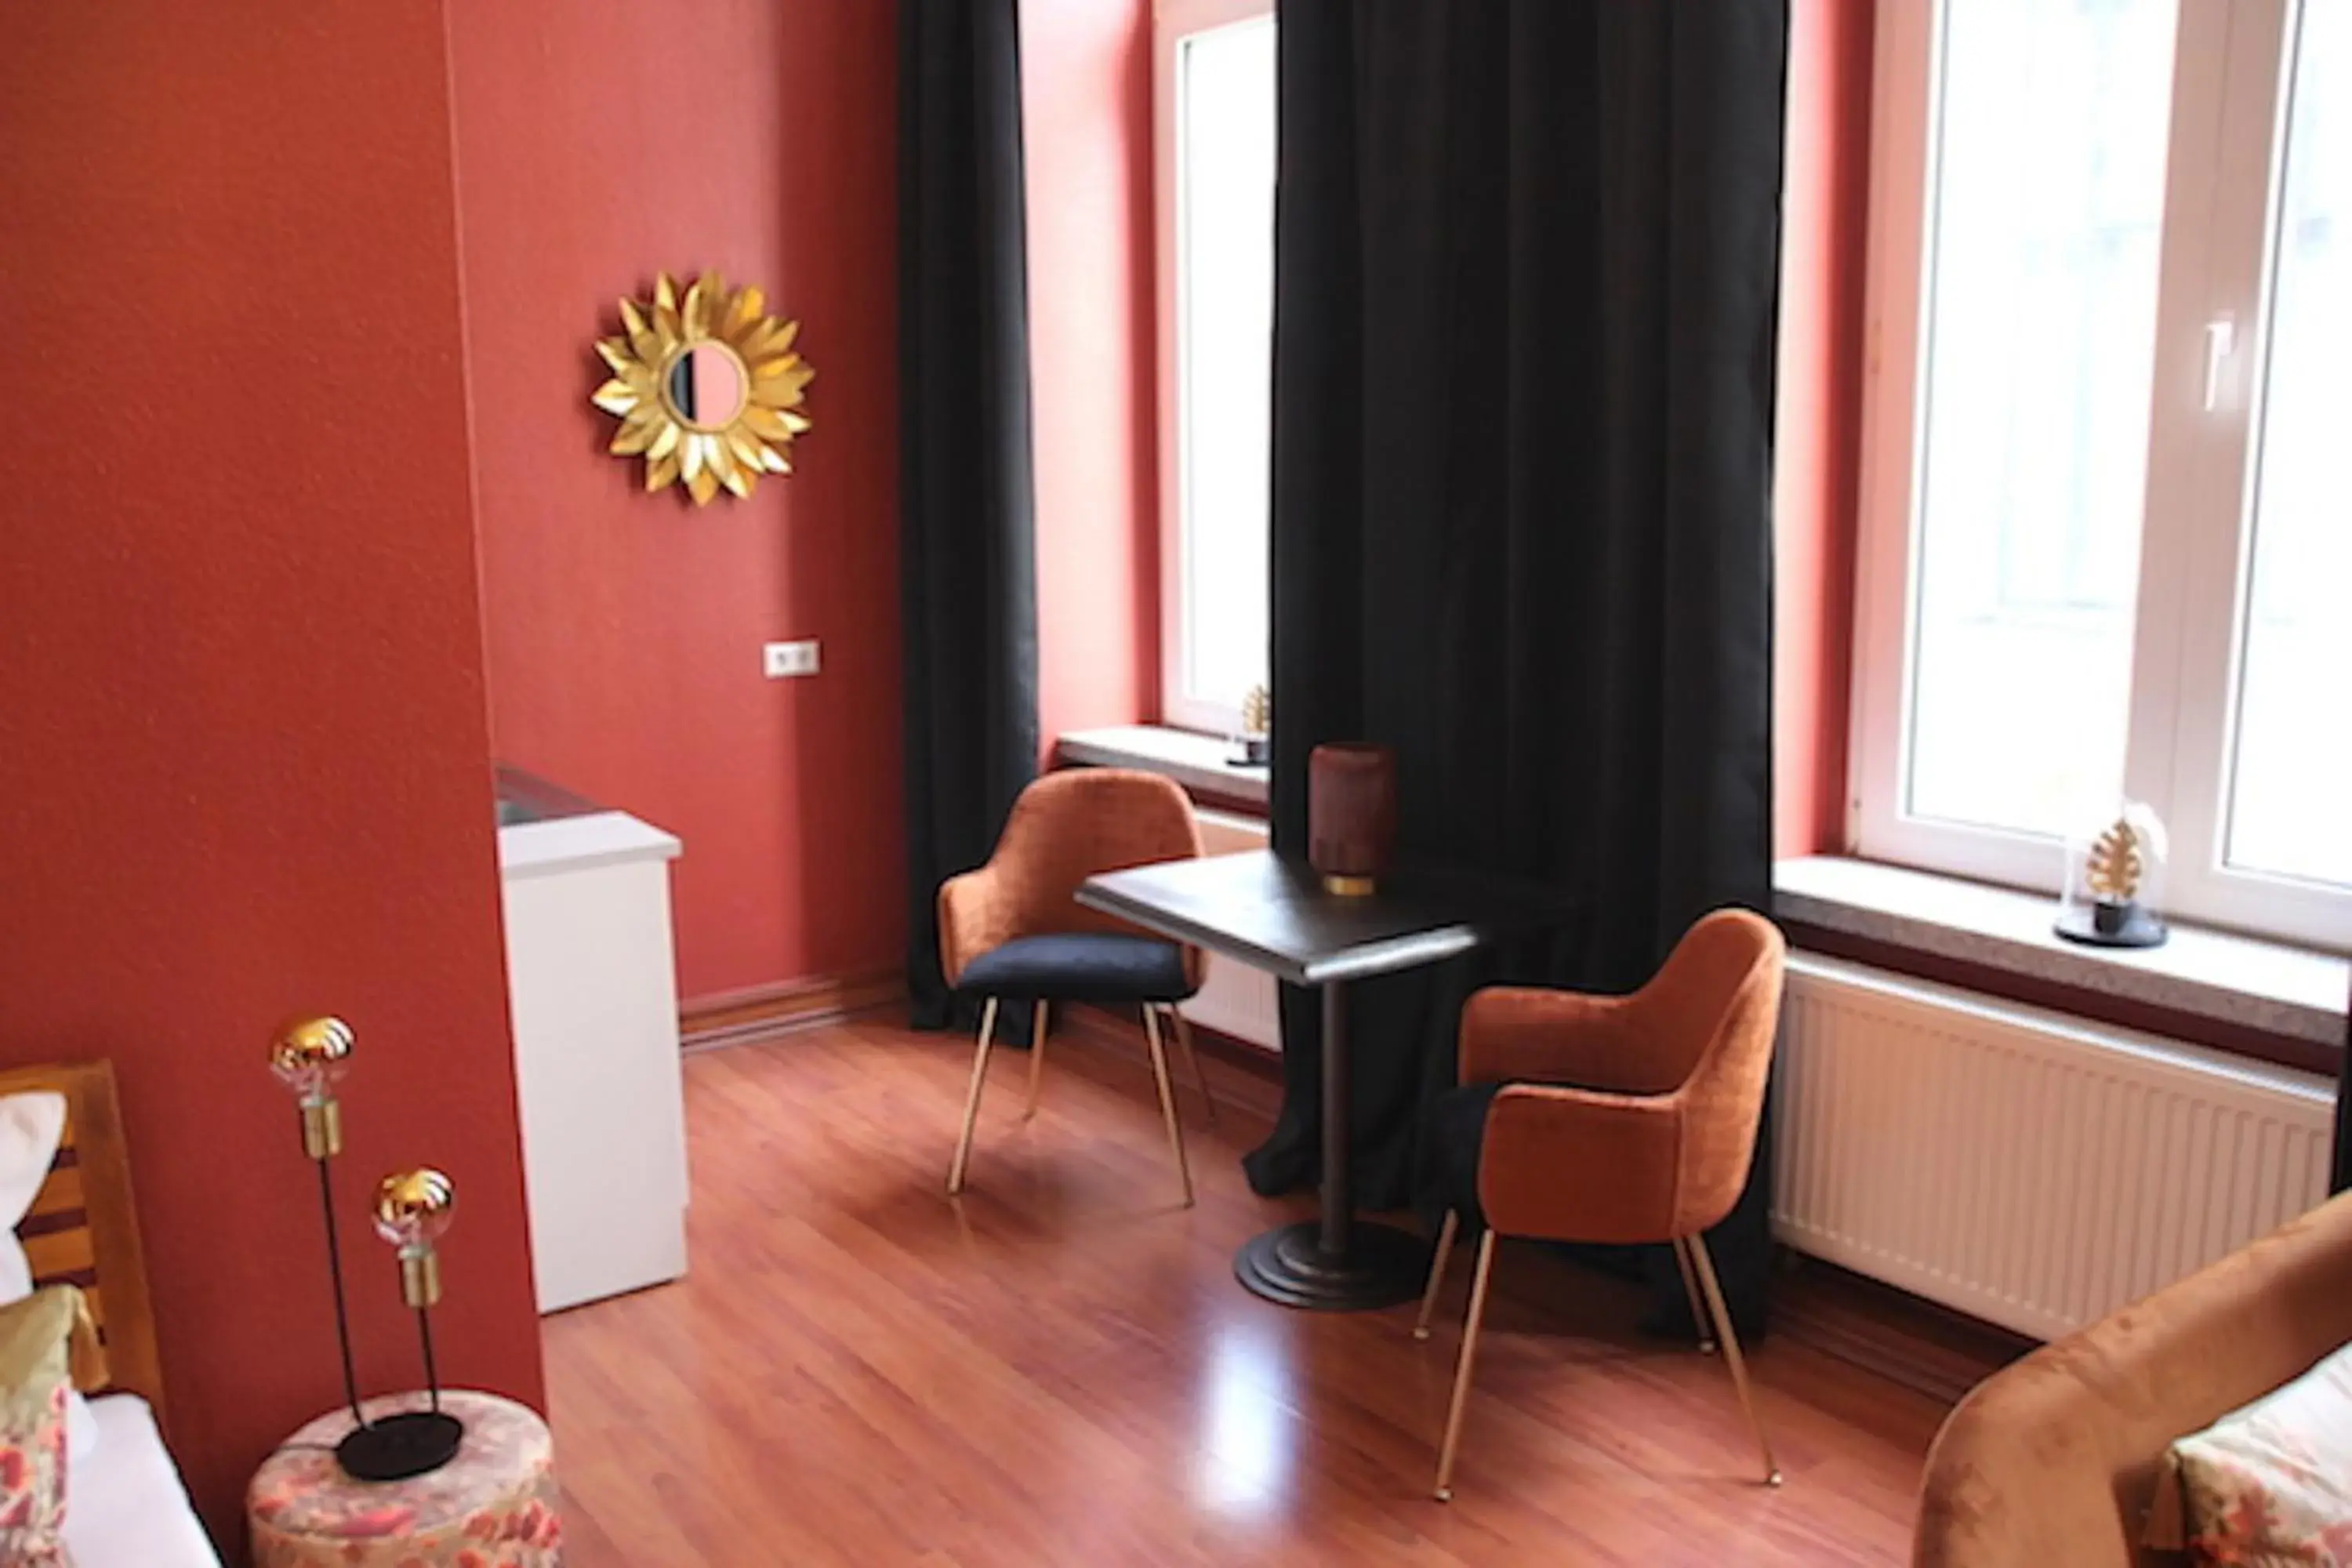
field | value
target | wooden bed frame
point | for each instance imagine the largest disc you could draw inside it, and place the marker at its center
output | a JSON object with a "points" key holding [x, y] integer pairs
{"points": [[83, 1229]]}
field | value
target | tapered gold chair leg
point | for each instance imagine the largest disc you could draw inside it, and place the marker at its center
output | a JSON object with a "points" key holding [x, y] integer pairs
{"points": [[1037, 1021], [1462, 1371], [1200, 1079], [972, 1100], [1699, 1320], [1167, 1099], [1729, 1339], [1436, 1273]]}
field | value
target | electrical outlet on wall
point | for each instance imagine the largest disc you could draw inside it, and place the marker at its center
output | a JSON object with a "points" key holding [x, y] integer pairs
{"points": [[779, 659]]}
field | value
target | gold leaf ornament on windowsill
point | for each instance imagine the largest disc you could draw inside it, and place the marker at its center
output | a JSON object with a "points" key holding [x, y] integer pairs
{"points": [[2113, 877], [707, 385], [2115, 866]]}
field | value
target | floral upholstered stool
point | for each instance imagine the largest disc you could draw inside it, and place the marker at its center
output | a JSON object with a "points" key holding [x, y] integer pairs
{"points": [[493, 1506]]}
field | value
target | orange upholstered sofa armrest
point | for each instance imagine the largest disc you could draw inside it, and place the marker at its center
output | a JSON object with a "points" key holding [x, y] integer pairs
{"points": [[2056, 1457], [1559, 1037], [979, 912], [1572, 1165]]}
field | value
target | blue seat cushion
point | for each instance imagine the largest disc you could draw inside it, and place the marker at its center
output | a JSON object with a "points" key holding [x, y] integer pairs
{"points": [[1094, 967], [1453, 1134]]}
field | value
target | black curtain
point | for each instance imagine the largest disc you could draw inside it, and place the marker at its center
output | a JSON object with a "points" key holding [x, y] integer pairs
{"points": [[1524, 280], [967, 549]]}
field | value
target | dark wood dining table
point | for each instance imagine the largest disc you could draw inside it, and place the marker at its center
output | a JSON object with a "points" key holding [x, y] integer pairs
{"points": [[1275, 914]]}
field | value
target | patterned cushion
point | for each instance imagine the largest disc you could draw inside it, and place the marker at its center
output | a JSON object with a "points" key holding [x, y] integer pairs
{"points": [[37, 1352], [2272, 1484], [1095, 966]]}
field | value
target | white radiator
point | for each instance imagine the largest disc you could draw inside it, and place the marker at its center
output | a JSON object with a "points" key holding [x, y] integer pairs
{"points": [[1234, 998], [2029, 1169]]}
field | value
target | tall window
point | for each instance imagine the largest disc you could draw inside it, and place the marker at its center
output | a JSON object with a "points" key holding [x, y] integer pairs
{"points": [[2107, 526], [1213, 107]]}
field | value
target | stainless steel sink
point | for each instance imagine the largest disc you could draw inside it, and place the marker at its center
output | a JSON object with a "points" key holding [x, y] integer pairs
{"points": [[525, 797]]}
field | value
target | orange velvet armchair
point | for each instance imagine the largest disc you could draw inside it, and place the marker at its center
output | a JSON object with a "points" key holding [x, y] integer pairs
{"points": [[1013, 929], [1623, 1118]]}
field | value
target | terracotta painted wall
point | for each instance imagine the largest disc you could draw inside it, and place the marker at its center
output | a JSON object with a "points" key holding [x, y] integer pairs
{"points": [[600, 141], [242, 727], [1087, 92], [1825, 247]]}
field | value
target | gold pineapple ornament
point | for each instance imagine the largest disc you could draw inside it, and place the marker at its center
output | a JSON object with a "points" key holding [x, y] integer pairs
{"points": [[2111, 878], [1256, 738], [1257, 711]]}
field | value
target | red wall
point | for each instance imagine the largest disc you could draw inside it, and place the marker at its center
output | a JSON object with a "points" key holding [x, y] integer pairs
{"points": [[1087, 117], [1819, 451], [242, 741], [600, 141]]}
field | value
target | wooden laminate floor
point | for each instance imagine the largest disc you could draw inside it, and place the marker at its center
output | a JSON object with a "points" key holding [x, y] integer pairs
{"points": [[1058, 1368]]}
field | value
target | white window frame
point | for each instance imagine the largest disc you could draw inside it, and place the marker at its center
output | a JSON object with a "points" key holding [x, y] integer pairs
{"points": [[1174, 21], [2227, 130]]}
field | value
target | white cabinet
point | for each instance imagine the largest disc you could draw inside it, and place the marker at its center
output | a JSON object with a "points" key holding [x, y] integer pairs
{"points": [[593, 995]]}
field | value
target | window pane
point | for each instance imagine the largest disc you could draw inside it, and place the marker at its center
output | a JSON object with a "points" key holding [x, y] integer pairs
{"points": [[2294, 725], [1226, 328], [2039, 330]]}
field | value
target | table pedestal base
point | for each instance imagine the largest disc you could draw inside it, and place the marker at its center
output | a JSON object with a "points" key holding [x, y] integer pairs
{"points": [[1382, 1266]]}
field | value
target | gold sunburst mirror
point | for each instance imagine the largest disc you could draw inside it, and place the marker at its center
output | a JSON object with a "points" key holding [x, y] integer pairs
{"points": [[706, 385]]}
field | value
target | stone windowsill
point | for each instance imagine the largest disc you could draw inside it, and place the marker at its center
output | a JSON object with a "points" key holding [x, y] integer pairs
{"points": [[1199, 762], [2270, 986]]}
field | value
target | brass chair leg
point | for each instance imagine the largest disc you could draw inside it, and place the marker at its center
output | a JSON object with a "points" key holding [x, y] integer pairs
{"points": [[1690, 1291], [1037, 1021], [1184, 1044], [1167, 1099], [1731, 1357], [1462, 1371], [1436, 1273], [972, 1101]]}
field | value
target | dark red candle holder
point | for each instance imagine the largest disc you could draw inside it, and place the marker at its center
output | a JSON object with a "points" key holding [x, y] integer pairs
{"points": [[1351, 815]]}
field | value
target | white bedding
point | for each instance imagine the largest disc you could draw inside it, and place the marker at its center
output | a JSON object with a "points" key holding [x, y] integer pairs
{"points": [[125, 1507]]}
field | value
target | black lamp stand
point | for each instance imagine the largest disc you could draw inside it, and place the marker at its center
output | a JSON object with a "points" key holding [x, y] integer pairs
{"points": [[393, 1448]]}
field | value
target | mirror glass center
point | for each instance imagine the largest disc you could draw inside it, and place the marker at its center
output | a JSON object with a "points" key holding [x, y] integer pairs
{"points": [[705, 387]]}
